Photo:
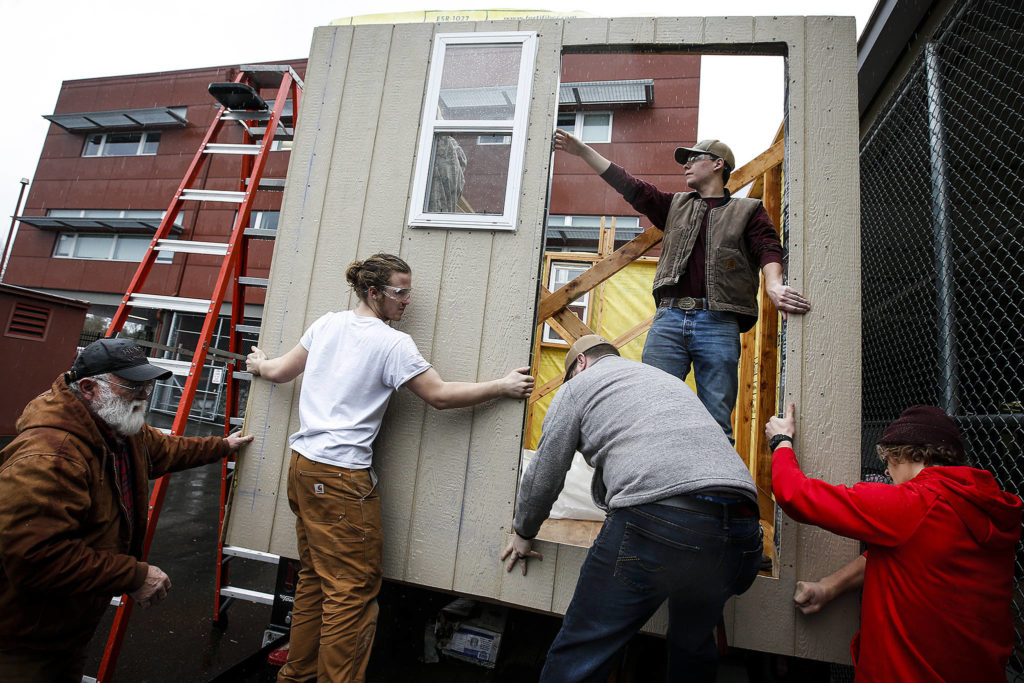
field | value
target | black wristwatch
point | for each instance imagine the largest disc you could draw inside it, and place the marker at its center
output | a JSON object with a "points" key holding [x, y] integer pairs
{"points": [[776, 440]]}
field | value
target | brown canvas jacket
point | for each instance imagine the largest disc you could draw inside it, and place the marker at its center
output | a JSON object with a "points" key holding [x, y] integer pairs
{"points": [[732, 274], [66, 546]]}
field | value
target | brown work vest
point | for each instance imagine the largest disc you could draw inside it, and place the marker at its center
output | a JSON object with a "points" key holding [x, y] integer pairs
{"points": [[730, 272]]}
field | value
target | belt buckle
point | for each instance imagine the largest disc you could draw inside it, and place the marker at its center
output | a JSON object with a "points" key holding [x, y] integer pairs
{"points": [[686, 303]]}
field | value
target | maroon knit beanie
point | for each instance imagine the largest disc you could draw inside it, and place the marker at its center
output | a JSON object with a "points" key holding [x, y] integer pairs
{"points": [[923, 426]]}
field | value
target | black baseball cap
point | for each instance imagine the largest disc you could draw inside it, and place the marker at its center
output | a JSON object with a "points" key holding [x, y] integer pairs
{"points": [[123, 357]]}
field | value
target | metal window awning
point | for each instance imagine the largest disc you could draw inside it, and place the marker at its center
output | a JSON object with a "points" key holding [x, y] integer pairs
{"points": [[607, 93], [143, 226], [136, 119], [558, 232]]}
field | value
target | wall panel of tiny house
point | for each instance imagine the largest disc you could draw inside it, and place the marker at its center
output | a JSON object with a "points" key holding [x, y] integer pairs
{"points": [[448, 478]]}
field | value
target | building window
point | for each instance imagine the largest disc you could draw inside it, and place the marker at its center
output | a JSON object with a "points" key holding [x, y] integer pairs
{"points": [[107, 246], [562, 273], [470, 155], [588, 126], [264, 220], [140, 143]]}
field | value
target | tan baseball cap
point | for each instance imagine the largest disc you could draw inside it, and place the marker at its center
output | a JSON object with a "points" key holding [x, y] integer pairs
{"points": [[582, 345], [716, 147]]}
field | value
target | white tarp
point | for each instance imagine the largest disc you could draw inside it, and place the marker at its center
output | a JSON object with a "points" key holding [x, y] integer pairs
{"points": [[574, 502]]}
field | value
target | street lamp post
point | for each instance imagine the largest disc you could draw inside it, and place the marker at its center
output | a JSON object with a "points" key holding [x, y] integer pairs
{"points": [[10, 231]]}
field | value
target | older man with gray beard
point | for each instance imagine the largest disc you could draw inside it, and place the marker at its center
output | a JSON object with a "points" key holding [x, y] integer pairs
{"points": [[73, 508]]}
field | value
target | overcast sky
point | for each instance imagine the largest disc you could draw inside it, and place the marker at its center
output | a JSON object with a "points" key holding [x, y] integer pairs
{"points": [[44, 42]]}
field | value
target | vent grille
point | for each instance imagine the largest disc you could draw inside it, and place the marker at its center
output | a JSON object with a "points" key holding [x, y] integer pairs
{"points": [[28, 322]]}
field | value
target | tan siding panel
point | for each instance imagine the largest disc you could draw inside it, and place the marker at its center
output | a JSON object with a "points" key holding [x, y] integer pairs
{"points": [[496, 443]]}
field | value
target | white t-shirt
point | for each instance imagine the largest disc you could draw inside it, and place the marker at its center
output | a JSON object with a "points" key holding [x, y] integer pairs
{"points": [[355, 364]]}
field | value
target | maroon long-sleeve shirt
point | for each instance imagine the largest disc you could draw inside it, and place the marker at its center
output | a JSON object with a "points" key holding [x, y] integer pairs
{"points": [[761, 237]]}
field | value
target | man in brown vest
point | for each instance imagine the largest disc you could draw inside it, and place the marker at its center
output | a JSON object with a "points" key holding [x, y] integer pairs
{"points": [[706, 282]]}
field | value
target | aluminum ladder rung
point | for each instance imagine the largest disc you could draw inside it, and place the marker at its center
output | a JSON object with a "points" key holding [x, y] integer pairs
{"points": [[243, 115], [170, 303], [189, 247], [247, 329], [270, 184], [193, 194], [285, 133], [249, 554], [247, 595], [180, 368], [254, 281], [227, 148], [236, 421], [242, 376]]}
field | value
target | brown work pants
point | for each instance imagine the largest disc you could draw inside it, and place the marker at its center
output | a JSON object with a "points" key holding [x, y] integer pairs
{"points": [[334, 616]]}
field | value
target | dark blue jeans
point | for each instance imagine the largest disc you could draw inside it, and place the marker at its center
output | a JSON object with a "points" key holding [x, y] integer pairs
{"points": [[710, 341], [643, 556]]}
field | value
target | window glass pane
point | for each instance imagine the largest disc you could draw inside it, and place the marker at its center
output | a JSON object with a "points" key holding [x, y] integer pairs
{"points": [[93, 246], [130, 247], [494, 139], [567, 122], [122, 144], [64, 244], [92, 146], [479, 82], [64, 213], [596, 127], [101, 213], [265, 220], [152, 140], [466, 177]]}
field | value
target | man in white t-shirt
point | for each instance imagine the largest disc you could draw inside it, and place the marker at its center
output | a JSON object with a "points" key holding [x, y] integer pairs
{"points": [[353, 362]]}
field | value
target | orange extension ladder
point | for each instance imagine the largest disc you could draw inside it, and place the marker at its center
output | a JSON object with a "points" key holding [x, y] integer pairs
{"points": [[261, 124]]}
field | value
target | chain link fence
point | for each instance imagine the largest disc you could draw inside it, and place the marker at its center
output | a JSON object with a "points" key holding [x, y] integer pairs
{"points": [[942, 202]]}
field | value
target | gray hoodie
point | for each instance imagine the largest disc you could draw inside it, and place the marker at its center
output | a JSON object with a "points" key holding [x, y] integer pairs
{"points": [[645, 433]]}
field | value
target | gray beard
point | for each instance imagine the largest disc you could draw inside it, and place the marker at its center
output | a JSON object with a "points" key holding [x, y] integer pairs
{"points": [[120, 414]]}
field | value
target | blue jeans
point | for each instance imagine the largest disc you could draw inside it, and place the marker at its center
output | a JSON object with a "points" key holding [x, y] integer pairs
{"points": [[710, 340], [643, 556]]}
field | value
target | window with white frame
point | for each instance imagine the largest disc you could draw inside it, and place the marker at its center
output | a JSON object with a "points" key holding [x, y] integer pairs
{"points": [[470, 156], [107, 246], [562, 273], [134, 144], [264, 220], [588, 126]]}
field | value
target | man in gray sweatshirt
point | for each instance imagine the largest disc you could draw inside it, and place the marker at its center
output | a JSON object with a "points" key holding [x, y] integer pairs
{"points": [[682, 519]]}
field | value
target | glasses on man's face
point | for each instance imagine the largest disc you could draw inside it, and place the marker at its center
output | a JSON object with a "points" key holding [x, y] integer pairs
{"points": [[144, 390], [397, 293], [694, 158]]}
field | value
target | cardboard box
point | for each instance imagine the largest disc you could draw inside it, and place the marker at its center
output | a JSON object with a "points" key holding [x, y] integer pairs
{"points": [[471, 631]]}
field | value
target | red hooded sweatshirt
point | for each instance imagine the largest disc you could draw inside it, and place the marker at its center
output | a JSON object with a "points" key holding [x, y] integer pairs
{"points": [[938, 583]]}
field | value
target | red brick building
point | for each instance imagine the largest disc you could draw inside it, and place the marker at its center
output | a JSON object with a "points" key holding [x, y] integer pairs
{"points": [[119, 146]]}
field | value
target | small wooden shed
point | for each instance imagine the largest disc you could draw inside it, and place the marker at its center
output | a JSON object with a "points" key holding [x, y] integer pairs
{"points": [[381, 107]]}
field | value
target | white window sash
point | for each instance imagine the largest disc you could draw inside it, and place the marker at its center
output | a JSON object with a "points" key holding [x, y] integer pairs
{"points": [[516, 128]]}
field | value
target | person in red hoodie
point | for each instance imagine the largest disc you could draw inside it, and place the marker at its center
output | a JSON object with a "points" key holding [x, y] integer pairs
{"points": [[937, 576]]}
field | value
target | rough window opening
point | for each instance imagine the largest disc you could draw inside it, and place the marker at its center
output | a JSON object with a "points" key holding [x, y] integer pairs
{"points": [[643, 140]]}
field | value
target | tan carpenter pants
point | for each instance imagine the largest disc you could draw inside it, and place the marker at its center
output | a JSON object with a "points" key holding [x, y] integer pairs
{"points": [[334, 616]]}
